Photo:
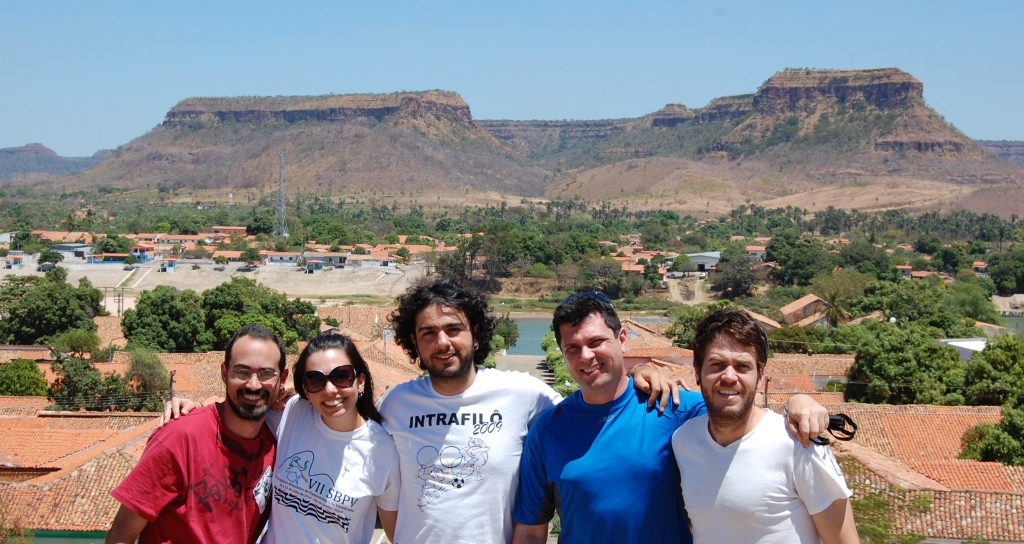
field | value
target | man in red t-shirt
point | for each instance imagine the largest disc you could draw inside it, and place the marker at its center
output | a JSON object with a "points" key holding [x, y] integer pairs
{"points": [[206, 479]]}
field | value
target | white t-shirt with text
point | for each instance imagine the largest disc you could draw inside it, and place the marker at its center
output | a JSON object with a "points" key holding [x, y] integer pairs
{"points": [[460, 455], [762, 488], [328, 484]]}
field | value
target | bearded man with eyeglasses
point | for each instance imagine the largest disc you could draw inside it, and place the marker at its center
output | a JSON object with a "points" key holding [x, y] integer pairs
{"points": [[208, 478]]}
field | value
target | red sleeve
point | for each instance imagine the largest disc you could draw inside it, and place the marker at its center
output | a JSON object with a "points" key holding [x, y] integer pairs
{"points": [[158, 479]]}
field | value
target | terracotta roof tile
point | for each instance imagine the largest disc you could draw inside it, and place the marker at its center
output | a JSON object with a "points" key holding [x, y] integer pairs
{"points": [[108, 328], [660, 353], [365, 321], [815, 365], [645, 335], [22, 406], [791, 383]]}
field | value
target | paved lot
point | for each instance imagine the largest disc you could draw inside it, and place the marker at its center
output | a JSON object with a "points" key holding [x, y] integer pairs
{"points": [[382, 283], [531, 364]]}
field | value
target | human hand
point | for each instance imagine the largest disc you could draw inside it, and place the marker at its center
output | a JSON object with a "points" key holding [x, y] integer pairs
{"points": [[806, 418]]}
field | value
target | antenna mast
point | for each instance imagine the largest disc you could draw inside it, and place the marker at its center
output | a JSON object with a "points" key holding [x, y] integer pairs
{"points": [[282, 220]]}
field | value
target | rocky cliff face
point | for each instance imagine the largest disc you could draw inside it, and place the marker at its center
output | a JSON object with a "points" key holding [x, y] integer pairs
{"points": [[793, 91], [1012, 151], [321, 108]]}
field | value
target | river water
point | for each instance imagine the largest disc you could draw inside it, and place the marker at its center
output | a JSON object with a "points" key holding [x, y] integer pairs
{"points": [[533, 328]]}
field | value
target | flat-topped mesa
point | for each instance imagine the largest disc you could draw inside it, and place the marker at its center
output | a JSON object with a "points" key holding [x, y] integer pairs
{"points": [[671, 115], [793, 90], [725, 108], [291, 109]]}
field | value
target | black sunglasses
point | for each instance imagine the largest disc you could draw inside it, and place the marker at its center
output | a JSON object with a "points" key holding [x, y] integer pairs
{"points": [[315, 381], [589, 294]]}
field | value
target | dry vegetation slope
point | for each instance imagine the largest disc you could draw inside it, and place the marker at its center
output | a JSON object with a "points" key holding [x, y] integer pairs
{"points": [[400, 142], [812, 138]]}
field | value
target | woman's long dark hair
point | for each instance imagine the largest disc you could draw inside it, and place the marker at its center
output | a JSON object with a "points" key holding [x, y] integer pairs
{"points": [[324, 342]]}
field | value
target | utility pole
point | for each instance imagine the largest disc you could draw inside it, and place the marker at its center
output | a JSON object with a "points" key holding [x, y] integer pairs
{"points": [[282, 219], [766, 380]]}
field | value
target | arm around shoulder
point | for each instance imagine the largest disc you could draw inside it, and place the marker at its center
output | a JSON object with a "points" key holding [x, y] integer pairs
{"points": [[835, 524], [530, 534], [127, 526]]}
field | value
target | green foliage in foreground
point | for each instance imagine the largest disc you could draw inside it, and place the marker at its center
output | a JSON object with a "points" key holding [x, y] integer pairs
{"points": [[998, 374], [22, 377], [39, 309], [564, 383]]}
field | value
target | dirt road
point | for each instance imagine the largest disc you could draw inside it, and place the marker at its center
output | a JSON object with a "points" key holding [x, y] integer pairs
{"points": [[689, 290]]}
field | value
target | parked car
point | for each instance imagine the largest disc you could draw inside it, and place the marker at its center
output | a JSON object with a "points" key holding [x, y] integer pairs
{"points": [[129, 267], [246, 268], [219, 268], [45, 266]]}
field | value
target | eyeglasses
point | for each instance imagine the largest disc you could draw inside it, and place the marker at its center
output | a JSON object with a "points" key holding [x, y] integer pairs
{"points": [[244, 375], [589, 294], [340, 376]]}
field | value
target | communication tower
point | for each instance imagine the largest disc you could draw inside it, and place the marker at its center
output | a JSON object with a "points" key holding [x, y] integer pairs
{"points": [[282, 219]]}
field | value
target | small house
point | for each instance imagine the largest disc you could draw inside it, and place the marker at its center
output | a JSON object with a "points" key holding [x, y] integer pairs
{"points": [[802, 308]]}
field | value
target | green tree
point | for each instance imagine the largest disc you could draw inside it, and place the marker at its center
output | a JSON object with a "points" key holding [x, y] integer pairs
{"points": [[167, 320], [250, 255], [848, 283], [112, 243], [685, 323], [48, 256], [452, 264], [261, 222], [541, 270], [800, 259], [148, 379], [79, 385], [48, 307], [991, 442], [735, 277], [21, 378], [228, 325], [838, 309], [508, 328], [683, 263], [904, 365], [242, 296], [928, 245], [77, 342]]}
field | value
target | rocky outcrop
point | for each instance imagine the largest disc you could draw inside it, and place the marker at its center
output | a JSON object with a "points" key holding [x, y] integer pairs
{"points": [[921, 146], [671, 115], [321, 108], [726, 108], [791, 91], [1009, 150]]}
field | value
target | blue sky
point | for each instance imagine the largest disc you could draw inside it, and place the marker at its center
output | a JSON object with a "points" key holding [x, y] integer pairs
{"points": [[82, 76]]}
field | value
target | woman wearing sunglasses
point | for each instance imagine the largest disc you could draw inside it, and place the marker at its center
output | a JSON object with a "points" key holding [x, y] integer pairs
{"points": [[336, 468]]}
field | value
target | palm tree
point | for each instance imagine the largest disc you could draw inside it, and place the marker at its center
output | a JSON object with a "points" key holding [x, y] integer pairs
{"points": [[838, 309]]}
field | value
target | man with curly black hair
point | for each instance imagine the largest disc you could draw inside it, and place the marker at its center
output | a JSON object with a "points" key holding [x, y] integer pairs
{"points": [[459, 430]]}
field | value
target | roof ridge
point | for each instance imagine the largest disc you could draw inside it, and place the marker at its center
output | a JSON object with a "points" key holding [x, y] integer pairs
{"points": [[74, 461]]}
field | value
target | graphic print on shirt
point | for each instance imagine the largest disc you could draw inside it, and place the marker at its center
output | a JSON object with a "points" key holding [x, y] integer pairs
{"points": [[451, 468], [311, 494]]}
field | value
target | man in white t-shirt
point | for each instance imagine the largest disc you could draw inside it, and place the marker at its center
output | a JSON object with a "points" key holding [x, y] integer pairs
{"points": [[460, 430], [744, 478]]}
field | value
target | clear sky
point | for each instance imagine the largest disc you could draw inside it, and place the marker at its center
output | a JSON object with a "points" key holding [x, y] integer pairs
{"points": [[83, 76]]}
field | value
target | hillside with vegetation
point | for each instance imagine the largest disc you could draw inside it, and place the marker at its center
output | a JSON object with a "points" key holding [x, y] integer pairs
{"points": [[857, 139], [387, 144], [37, 160], [802, 130]]}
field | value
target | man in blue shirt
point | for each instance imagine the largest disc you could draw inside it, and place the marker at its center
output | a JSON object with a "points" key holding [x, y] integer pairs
{"points": [[602, 458]]}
